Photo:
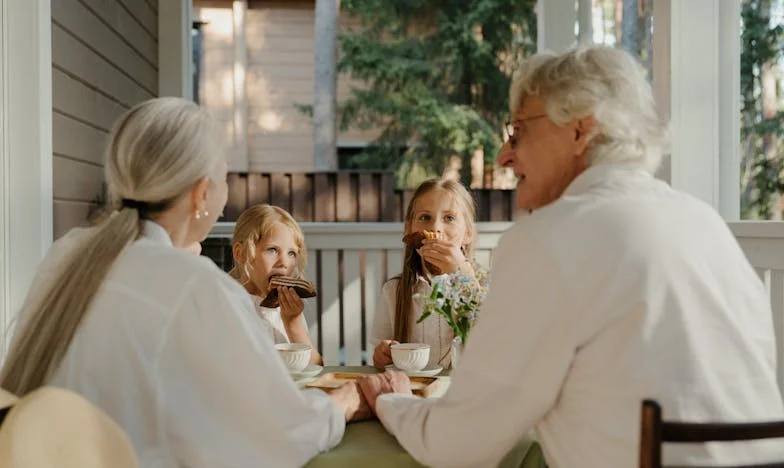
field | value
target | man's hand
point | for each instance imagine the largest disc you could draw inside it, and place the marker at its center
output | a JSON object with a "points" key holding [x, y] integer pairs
{"points": [[388, 382]]}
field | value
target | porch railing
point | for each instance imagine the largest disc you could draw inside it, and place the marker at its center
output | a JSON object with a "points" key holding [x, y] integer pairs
{"points": [[763, 243], [349, 262]]}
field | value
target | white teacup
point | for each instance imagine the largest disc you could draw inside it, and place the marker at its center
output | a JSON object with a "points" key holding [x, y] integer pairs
{"points": [[410, 356], [296, 356]]}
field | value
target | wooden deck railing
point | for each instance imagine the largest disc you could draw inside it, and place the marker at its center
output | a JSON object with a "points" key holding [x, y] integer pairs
{"points": [[344, 197]]}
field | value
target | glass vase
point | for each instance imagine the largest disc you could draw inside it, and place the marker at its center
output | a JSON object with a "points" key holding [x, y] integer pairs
{"points": [[456, 350]]}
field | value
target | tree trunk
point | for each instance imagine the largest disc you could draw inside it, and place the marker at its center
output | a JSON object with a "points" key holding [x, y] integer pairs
{"points": [[770, 140], [768, 100], [325, 85], [629, 18], [618, 10], [646, 41]]}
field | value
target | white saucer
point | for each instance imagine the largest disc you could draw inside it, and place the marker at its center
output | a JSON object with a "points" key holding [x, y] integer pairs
{"points": [[311, 371], [431, 370]]}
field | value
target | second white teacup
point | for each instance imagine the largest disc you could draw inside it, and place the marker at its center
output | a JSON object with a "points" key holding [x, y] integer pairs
{"points": [[296, 356], [410, 356]]}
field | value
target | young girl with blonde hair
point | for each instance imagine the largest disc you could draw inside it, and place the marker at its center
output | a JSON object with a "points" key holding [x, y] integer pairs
{"points": [[267, 241], [443, 206]]}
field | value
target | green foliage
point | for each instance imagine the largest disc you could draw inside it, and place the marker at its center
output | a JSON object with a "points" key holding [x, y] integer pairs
{"points": [[762, 170], [437, 76]]}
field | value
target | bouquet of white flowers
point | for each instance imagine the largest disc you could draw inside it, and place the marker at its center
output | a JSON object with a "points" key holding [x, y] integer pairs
{"points": [[457, 297]]}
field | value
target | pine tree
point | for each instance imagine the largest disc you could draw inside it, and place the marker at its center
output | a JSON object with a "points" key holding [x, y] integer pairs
{"points": [[437, 75]]}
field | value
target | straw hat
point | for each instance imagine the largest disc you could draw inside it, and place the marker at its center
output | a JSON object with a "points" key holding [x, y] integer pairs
{"points": [[53, 427]]}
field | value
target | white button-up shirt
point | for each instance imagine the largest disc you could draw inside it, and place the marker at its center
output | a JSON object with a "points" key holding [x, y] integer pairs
{"points": [[172, 349], [621, 290]]}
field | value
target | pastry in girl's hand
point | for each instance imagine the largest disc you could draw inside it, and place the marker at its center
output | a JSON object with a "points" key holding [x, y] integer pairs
{"points": [[415, 239], [303, 288]]}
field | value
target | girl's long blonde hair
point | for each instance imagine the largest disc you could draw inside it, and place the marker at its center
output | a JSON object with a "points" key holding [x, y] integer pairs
{"points": [[157, 151], [252, 226], [412, 263]]}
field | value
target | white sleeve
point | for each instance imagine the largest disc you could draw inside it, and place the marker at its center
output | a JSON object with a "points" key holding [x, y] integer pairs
{"points": [[224, 395], [503, 384], [384, 319]]}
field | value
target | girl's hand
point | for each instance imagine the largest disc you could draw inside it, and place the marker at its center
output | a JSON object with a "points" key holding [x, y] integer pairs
{"points": [[446, 256], [382, 355], [291, 305]]}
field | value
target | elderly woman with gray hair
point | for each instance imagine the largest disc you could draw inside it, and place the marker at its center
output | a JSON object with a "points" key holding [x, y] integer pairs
{"points": [[628, 290]]}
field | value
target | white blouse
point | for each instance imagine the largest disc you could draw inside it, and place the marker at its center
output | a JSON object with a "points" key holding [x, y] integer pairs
{"points": [[172, 350], [433, 330], [271, 321]]}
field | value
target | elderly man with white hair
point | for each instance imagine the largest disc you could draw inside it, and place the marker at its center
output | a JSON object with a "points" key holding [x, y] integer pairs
{"points": [[614, 289]]}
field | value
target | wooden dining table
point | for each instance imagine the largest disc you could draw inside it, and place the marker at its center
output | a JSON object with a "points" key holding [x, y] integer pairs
{"points": [[367, 443]]}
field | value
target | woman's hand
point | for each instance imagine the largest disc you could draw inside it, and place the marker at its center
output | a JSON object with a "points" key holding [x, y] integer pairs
{"points": [[351, 401], [388, 382], [382, 355], [291, 305], [446, 256]]}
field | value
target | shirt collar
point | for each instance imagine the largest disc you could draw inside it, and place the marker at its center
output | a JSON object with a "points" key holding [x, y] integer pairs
{"points": [[601, 173], [154, 232]]}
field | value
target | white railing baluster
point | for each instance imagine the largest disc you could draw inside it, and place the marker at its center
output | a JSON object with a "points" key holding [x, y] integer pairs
{"points": [[374, 261], [311, 305], [330, 313], [352, 307]]}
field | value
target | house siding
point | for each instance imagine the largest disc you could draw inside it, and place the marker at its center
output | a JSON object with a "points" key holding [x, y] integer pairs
{"points": [[279, 75], [104, 60]]}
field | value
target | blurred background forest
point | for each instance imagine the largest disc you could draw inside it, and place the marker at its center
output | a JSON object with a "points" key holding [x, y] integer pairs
{"points": [[436, 77]]}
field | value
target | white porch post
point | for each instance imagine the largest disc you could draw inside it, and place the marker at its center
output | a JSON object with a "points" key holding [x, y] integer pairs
{"points": [[556, 21], [240, 160], [585, 21], [696, 78], [174, 48], [25, 149], [729, 109]]}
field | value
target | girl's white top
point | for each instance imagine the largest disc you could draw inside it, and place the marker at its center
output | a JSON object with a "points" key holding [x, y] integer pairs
{"points": [[271, 321], [433, 330], [172, 350]]}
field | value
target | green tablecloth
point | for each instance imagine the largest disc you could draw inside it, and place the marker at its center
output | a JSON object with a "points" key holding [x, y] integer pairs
{"points": [[367, 443]]}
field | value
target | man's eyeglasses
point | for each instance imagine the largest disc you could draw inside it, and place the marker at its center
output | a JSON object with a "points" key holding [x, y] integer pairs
{"points": [[509, 127]]}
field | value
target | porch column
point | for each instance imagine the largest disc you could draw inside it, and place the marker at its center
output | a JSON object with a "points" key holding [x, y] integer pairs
{"points": [[175, 76], [240, 159], [585, 21], [556, 21], [325, 85], [25, 149], [696, 78]]}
